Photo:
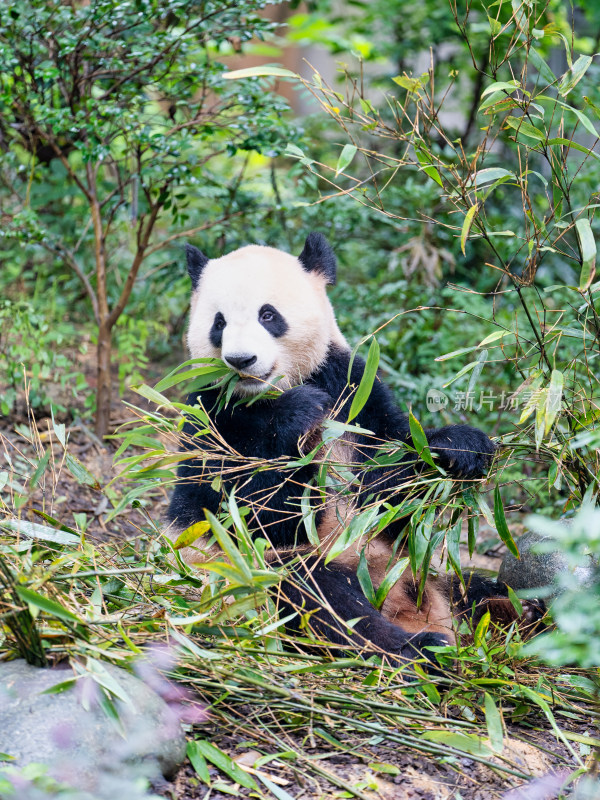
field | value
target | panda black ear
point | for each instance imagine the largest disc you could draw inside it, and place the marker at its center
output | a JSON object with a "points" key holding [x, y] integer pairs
{"points": [[318, 256], [196, 261]]}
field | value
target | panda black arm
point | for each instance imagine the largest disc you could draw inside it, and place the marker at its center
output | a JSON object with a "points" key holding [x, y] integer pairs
{"points": [[267, 429], [463, 451]]}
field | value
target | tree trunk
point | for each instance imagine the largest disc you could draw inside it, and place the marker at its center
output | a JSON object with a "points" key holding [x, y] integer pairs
{"points": [[104, 388]]}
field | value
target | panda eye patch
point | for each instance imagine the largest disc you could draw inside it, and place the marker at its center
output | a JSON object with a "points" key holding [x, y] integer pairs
{"points": [[216, 331], [272, 321]]}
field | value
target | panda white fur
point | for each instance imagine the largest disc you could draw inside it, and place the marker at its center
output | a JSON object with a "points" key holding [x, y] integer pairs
{"points": [[266, 314]]}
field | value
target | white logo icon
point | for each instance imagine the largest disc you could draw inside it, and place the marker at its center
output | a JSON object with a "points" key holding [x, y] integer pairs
{"points": [[436, 400]]}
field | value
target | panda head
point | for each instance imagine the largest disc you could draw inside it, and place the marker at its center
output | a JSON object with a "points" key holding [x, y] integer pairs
{"points": [[264, 312]]}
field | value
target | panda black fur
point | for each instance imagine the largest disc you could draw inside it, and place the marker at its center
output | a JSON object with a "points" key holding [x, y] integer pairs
{"points": [[266, 314]]}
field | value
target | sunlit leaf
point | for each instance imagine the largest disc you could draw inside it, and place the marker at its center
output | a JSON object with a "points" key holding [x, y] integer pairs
{"points": [[500, 86], [263, 71], [464, 234], [35, 531], [191, 534], [573, 75], [489, 175], [345, 159], [526, 128]]}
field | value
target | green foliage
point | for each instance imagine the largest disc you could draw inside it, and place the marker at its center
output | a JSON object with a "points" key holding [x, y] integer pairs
{"points": [[113, 115], [516, 192], [39, 353], [576, 610]]}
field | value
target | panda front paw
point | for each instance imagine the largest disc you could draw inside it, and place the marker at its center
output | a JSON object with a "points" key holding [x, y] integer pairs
{"points": [[304, 408], [463, 451]]}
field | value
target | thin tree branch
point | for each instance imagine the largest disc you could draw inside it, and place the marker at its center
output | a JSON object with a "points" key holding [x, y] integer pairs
{"points": [[190, 232]]}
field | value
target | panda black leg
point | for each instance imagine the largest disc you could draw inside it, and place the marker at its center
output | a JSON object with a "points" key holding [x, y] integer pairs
{"points": [[315, 587]]}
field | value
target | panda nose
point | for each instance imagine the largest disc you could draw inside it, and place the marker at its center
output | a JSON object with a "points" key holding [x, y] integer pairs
{"points": [[240, 362]]}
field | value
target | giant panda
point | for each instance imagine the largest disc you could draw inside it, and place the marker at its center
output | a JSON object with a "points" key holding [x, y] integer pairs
{"points": [[266, 315]]}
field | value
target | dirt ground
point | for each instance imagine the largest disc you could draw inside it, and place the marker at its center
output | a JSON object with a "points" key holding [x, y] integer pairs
{"points": [[385, 772]]}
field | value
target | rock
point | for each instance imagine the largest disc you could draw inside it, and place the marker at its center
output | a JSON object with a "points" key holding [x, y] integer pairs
{"points": [[82, 746], [537, 570]]}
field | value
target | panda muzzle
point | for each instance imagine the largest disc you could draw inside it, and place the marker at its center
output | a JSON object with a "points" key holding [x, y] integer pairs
{"points": [[240, 362]]}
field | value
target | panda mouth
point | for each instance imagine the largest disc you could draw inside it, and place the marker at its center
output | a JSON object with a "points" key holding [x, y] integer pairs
{"points": [[257, 379]]}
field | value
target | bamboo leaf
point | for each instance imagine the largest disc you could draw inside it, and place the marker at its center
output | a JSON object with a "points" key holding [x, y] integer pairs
{"points": [[481, 630], [263, 71], [151, 394], [359, 526], [208, 375], [35, 531], [366, 382], [80, 472], [501, 526], [419, 439], [484, 509], [198, 762], [585, 121], [531, 404], [477, 370], [45, 604], [494, 337], [587, 244], [40, 469], [309, 518], [434, 174], [542, 67], [229, 547], [573, 75], [464, 234], [560, 140], [345, 159], [191, 534], [467, 742], [275, 790], [526, 128], [411, 84], [453, 548], [488, 175], [223, 762], [364, 578], [516, 603], [501, 86], [390, 580], [472, 530], [540, 417], [454, 353], [467, 368], [553, 398], [493, 721]]}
